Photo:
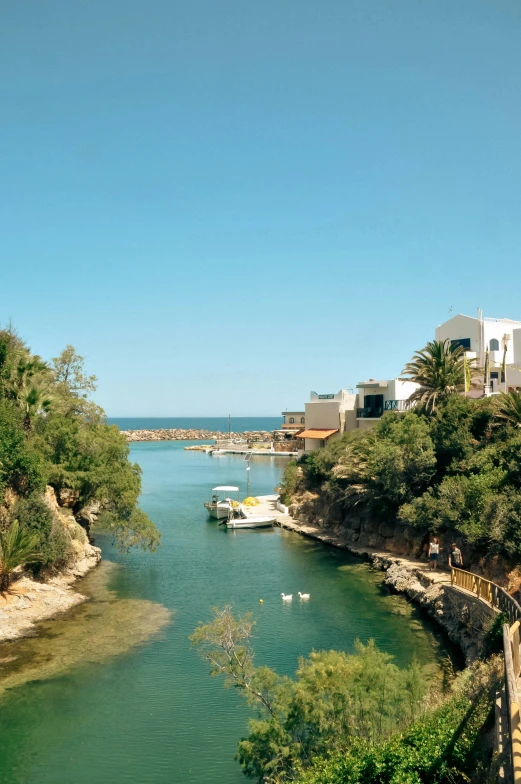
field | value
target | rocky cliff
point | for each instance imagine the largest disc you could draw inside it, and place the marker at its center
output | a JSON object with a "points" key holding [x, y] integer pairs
{"points": [[29, 600], [391, 536]]}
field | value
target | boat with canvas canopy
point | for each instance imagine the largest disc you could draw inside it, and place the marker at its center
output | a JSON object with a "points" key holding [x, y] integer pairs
{"points": [[221, 504]]}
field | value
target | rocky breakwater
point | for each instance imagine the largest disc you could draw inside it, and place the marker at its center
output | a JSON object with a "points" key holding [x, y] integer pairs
{"points": [[194, 435], [29, 601]]}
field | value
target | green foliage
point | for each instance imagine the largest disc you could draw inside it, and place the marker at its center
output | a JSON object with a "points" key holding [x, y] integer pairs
{"points": [[18, 546], [34, 515], [334, 699], [440, 370], [21, 466], [456, 471], [445, 746], [508, 409], [51, 432], [493, 640], [290, 482]]}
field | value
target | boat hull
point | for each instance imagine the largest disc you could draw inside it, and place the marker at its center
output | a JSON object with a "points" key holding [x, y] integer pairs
{"points": [[217, 511], [251, 522]]}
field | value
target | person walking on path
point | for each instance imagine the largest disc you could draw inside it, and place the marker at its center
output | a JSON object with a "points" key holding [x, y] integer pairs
{"points": [[455, 557], [434, 551]]}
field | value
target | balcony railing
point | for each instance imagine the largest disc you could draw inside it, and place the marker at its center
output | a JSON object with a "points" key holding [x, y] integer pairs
{"points": [[376, 413], [369, 413]]}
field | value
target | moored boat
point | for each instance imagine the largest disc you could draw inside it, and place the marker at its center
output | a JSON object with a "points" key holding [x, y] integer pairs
{"points": [[220, 507]]}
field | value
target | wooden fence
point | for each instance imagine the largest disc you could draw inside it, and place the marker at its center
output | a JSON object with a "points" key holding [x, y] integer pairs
{"points": [[501, 600], [484, 589], [512, 672]]}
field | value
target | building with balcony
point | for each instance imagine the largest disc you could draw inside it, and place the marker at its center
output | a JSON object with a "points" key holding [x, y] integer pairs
{"points": [[377, 397], [476, 335], [327, 417], [293, 420]]}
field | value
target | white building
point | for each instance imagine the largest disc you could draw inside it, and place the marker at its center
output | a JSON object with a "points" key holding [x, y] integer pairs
{"points": [[327, 417], [377, 397], [478, 334]]}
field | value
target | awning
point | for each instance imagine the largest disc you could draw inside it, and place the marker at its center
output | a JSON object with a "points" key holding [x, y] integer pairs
{"points": [[317, 432], [225, 489]]}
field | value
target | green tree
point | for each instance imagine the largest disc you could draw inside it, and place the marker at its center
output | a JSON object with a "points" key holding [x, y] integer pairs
{"points": [[439, 369], [18, 546], [334, 698]]}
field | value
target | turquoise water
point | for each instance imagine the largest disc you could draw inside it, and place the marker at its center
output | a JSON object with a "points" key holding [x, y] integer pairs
{"points": [[115, 695], [216, 424]]}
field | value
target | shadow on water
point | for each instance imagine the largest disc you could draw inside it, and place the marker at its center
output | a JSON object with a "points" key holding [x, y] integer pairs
{"points": [[97, 630]]}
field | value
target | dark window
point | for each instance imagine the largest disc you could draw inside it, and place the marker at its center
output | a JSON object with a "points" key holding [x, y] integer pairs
{"points": [[373, 401], [463, 342], [302, 420], [291, 420], [494, 375], [494, 345]]}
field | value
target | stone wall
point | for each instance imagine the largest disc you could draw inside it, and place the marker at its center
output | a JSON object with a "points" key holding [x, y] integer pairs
{"points": [[464, 617]]}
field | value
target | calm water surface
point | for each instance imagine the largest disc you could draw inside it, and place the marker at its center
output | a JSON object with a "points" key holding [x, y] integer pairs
{"points": [[121, 698]]}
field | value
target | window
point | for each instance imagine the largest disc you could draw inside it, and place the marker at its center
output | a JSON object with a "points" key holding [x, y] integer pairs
{"points": [[494, 345], [494, 375], [292, 420], [302, 420], [463, 342]]}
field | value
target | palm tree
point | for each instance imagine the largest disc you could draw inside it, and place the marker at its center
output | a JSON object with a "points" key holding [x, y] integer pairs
{"points": [[440, 370], [17, 546], [508, 409]]}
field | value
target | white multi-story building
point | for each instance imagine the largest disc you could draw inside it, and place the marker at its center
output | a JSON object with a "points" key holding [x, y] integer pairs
{"points": [[377, 397], [476, 335], [327, 417]]}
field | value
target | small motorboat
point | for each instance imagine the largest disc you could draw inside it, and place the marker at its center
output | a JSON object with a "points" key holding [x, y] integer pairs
{"points": [[221, 507], [239, 517]]}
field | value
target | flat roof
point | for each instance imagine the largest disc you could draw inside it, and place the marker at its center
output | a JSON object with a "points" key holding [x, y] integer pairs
{"points": [[317, 432]]}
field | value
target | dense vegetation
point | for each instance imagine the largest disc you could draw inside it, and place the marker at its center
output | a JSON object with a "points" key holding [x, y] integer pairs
{"points": [[351, 718], [51, 433], [451, 464]]}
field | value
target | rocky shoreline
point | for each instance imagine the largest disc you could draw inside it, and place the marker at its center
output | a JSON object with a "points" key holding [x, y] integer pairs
{"points": [[30, 601], [465, 618], [195, 435]]}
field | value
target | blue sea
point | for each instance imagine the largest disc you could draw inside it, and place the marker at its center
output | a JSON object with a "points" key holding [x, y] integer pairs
{"points": [[238, 424]]}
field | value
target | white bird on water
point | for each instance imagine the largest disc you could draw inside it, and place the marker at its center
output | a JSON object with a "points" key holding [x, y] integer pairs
{"points": [[287, 597], [304, 596]]}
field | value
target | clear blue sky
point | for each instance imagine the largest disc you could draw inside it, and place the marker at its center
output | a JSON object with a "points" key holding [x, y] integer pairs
{"points": [[225, 204]]}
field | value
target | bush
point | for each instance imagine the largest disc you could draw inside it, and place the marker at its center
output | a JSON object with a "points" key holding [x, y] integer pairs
{"points": [[447, 745], [34, 515]]}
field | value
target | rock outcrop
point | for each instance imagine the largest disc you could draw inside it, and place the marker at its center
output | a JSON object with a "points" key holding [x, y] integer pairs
{"points": [[30, 601]]}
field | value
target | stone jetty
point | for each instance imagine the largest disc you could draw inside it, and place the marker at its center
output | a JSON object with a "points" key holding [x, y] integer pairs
{"points": [[195, 435]]}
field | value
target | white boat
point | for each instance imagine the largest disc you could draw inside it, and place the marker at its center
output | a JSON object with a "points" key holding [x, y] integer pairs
{"points": [[240, 518], [221, 507], [250, 522]]}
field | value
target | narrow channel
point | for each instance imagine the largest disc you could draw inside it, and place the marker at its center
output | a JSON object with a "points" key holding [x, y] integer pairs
{"points": [[119, 697]]}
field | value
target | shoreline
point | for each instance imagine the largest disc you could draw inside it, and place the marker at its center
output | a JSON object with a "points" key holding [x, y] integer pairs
{"points": [[464, 617], [29, 602]]}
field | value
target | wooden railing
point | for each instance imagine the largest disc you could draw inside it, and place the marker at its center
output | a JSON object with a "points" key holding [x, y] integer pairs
{"points": [[512, 671], [496, 596]]}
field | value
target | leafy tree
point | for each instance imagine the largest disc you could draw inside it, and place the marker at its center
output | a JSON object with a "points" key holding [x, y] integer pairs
{"points": [[21, 465], [439, 369], [18, 546], [334, 699]]}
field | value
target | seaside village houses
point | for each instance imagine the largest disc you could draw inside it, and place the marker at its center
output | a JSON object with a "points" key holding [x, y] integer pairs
{"points": [[327, 416]]}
